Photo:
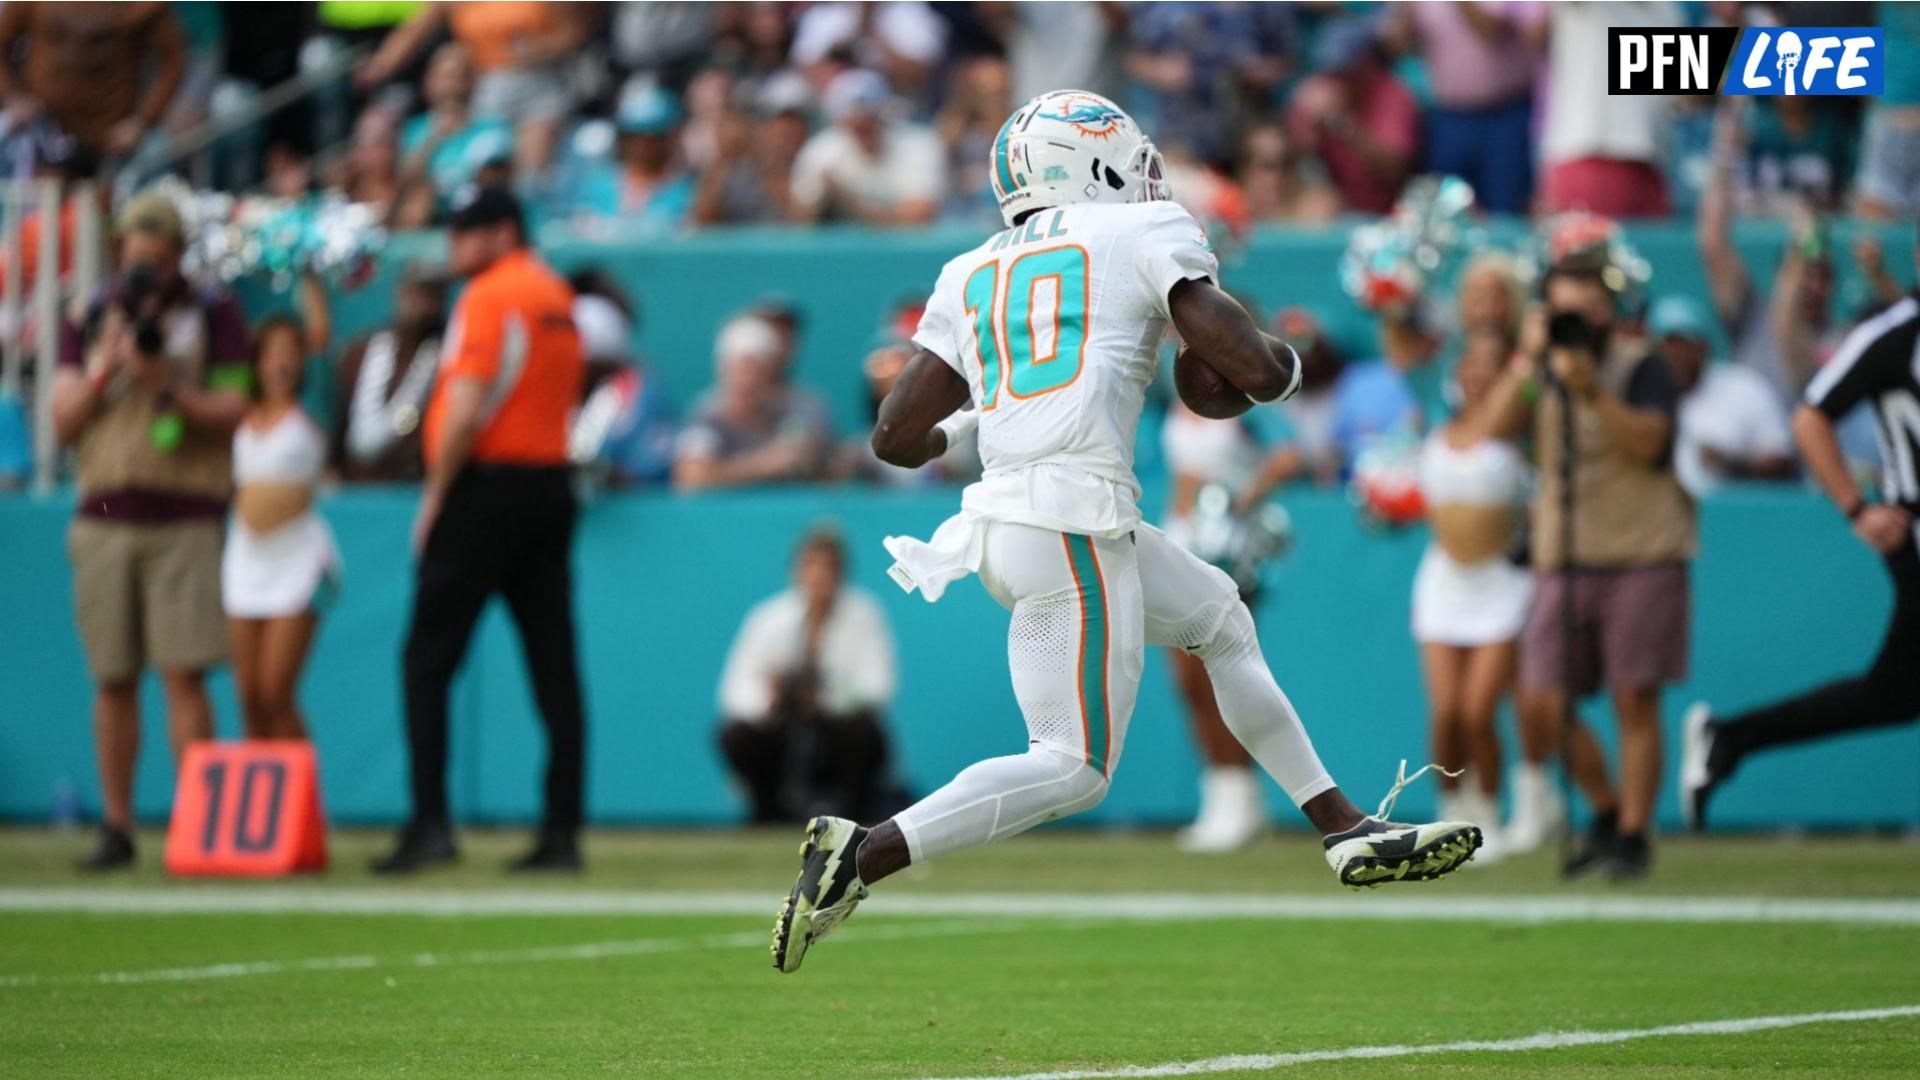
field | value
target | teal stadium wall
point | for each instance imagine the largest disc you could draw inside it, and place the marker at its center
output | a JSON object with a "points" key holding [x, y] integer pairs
{"points": [[1784, 596]]}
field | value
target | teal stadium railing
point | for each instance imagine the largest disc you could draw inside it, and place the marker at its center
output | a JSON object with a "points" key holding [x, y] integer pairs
{"points": [[1783, 596]]}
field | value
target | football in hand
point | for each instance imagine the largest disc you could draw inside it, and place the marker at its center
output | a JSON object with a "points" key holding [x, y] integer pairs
{"points": [[1206, 391]]}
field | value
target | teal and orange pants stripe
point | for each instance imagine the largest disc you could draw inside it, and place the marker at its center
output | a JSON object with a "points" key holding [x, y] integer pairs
{"points": [[1096, 717]]}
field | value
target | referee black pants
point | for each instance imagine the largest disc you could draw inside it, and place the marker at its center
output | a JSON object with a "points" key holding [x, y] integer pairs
{"points": [[1887, 693], [507, 531]]}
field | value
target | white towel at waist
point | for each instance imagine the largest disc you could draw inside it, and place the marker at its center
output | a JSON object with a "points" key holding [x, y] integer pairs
{"points": [[955, 550]]}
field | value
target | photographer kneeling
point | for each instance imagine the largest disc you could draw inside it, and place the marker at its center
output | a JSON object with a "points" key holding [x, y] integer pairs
{"points": [[150, 388], [1613, 611]]}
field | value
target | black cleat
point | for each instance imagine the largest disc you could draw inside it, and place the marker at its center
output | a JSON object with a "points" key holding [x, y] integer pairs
{"points": [[1632, 859], [114, 851], [554, 853], [1601, 847], [421, 845]]}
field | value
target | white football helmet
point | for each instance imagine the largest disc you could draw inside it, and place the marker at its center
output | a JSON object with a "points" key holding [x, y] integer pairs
{"points": [[1072, 146]]}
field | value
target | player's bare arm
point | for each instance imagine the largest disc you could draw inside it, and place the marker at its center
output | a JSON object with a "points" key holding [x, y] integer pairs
{"points": [[1217, 328], [927, 392]]}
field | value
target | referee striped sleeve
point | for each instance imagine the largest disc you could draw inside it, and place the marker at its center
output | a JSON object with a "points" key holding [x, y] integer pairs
{"points": [[1853, 349]]}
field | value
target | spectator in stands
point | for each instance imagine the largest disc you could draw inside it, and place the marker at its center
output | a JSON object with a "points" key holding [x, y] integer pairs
{"points": [[1633, 535], [384, 379], [749, 181], [1800, 148], [497, 516], [977, 104], [905, 42], [623, 431], [753, 428], [1481, 62], [1356, 117], [1599, 152], [279, 563], [1782, 333], [804, 692], [869, 166], [1054, 45], [521, 51], [1278, 185], [149, 391], [370, 173], [1376, 400], [446, 144], [646, 187], [662, 43], [1888, 185], [756, 48], [1207, 67], [1732, 425], [102, 73]]}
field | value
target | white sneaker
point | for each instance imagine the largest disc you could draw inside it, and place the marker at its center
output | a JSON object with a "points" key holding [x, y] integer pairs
{"points": [[1472, 805], [828, 890], [1232, 812], [1696, 777], [1538, 810]]}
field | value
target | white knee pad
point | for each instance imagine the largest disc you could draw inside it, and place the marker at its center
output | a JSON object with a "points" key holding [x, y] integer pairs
{"points": [[1231, 638]]}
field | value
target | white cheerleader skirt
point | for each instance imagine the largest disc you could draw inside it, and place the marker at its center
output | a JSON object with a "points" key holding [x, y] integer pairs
{"points": [[1482, 604], [288, 571]]}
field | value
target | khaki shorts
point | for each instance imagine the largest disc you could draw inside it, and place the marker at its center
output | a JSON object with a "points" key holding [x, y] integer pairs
{"points": [[147, 596]]}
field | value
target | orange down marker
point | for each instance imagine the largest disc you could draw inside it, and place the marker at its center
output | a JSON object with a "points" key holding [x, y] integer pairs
{"points": [[247, 809]]}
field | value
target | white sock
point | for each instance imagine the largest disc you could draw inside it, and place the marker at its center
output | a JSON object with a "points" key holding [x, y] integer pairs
{"points": [[998, 798], [1257, 710]]}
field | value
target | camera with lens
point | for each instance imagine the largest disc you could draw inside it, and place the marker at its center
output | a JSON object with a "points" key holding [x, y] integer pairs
{"points": [[138, 300], [1571, 330]]}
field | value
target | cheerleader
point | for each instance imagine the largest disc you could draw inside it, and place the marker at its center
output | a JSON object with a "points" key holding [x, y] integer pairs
{"points": [[1469, 598], [280, 559]]}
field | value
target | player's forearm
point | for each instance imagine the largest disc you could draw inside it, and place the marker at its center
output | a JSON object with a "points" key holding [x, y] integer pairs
{"points": [[1821, 449]]}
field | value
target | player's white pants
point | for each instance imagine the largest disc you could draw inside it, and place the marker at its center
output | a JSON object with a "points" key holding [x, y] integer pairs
{"points": [[1076, 647], [1194, 605], [1083, 610]]}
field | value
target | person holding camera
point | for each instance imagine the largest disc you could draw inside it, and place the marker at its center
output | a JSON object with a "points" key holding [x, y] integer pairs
{"points": [[804, 694], [150, 388], [1613, 534]]}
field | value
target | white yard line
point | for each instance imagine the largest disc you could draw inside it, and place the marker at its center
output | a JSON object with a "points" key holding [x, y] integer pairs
{"points": [[593, 950], [1545, 1040], [278, 899]]}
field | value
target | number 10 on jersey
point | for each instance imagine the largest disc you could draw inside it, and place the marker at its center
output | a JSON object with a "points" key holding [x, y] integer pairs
{"points": [[1030, 323]]}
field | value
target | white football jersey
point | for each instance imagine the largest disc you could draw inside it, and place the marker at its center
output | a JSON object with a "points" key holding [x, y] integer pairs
{"points": [[1056, 325]]}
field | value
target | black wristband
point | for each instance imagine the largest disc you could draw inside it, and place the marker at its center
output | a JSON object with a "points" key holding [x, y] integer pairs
{"points": [[1859, 507]]}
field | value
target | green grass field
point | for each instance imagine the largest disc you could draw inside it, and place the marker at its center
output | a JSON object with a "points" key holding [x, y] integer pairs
{"points": [[1088, 954]]}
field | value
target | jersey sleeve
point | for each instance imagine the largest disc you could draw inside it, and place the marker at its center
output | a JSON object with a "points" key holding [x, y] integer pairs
{"points": [[475, 333], [1170, 248], [1871, 358], [943, 324]]}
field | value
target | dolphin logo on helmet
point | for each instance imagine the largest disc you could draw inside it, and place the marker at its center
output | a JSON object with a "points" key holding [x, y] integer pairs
{"points": [[1073, 146]]}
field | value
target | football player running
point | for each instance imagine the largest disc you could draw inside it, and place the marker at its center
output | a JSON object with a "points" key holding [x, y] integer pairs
{"points": [[1046, 336]]}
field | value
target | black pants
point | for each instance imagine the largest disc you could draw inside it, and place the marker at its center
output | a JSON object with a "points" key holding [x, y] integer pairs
{"points": [[803, 763], [1887, 693], [507, 531]]}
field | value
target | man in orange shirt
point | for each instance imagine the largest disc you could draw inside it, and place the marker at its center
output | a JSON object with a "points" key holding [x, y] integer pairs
{"points": [[497, 516]]}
